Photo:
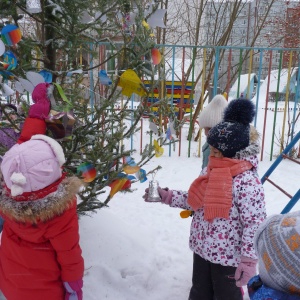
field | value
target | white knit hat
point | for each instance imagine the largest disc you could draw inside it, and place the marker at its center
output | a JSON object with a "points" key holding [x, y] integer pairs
{"points": [[212, 114]]}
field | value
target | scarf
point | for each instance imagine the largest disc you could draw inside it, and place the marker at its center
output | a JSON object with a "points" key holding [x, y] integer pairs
{"points": [[213, 191], [36, 195]]}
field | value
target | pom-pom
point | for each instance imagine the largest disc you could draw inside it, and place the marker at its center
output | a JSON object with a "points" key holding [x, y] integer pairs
{"points": [[18, 178], [240, 110]]}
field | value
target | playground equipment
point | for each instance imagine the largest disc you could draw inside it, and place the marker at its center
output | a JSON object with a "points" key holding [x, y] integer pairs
{"points": [[177, 96], [283, 155]]}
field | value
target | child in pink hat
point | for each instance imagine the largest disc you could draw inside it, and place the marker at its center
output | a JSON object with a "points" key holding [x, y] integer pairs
{"points": [[40, 255]]}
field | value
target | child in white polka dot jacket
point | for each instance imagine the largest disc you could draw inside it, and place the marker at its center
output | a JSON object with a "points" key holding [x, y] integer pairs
{"points": [[228, 205]]}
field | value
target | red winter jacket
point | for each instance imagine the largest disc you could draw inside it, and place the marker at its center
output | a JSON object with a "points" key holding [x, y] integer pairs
{"points": [[40, 242]]}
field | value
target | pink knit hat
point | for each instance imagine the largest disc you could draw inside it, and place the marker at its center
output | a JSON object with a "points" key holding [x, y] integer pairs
{"points": [[32, 165]]}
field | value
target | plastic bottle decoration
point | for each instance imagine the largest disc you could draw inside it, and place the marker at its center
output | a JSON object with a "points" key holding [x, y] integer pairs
{"points": [[11, 34], [156, 56], [103, 78], [131, 83], [87, 171], [33, 6]]}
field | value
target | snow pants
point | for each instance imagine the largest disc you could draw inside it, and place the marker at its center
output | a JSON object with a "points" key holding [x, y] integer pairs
{"points": [[213, 281]]}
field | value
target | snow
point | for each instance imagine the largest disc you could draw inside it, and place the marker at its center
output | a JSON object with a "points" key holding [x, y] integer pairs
{"points": [[135, 250]]}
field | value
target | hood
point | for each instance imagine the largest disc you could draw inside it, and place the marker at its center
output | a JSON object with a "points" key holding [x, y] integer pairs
{"points": [[42, 209]]}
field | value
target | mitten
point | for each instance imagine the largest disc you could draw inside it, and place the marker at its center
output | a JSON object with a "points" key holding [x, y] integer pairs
{"points": [[73, 290], [41, 107], [165, 195], [245, 271]]}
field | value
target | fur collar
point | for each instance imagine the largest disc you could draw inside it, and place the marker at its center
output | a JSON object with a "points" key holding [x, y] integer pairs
{"points": [[42, 209], [254, 148]]}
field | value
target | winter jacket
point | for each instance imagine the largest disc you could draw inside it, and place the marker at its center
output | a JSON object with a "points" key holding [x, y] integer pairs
{"points": [[40, 243], [224, 241], [259, 291]]}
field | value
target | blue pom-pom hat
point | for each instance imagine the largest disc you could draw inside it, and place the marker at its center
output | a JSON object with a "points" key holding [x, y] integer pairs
{"points": [[233, 133]]}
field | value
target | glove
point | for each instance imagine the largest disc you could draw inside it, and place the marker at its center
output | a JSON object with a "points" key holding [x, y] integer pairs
{"points": [[245, 271], [165, 195], [41, 107], [73, 290]]}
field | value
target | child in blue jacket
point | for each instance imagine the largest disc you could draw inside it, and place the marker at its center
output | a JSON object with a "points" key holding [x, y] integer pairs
{"points": [[277, 243]]}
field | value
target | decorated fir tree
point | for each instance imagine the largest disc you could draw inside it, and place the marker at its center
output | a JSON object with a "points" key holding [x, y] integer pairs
{"points": [[96, 54]]}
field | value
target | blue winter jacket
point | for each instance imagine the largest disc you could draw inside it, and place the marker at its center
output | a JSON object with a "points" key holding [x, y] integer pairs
{"points": [[258, 291]]}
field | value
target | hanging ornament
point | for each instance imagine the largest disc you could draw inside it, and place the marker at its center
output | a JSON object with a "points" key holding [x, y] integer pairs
{"points": [[169, 134], [119, 185], [6, 90], [9, 61], [19, 87], [85, 18], [6, 74], [2, 47], [145, 24], [141, 175], [70, 73], [172, 127], [87, 171], [157, 18], [159, 151], [103, 78], [131, 83], [35, 78], [33, 6], [11, 34], [156, 56], [60, 124], [27, 85], [130, 167], [153, 127], [47, 76]]}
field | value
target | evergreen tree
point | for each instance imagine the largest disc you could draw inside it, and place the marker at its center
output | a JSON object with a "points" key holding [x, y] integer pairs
{"points": [[65, 39]]}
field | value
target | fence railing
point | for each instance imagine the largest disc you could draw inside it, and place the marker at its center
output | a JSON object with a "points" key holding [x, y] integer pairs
{"points": [[189, 76]]}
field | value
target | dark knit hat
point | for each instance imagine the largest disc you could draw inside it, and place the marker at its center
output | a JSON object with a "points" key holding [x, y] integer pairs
{"points": [[277, 244], [232, 134]]}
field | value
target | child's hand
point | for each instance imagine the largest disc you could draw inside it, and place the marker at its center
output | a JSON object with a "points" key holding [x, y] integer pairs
{"points": [[165, 195], [73, 289], [245, 271]]}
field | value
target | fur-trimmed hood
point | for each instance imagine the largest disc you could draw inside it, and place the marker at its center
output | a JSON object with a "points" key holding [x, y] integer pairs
{"points": [[43, 209]]}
